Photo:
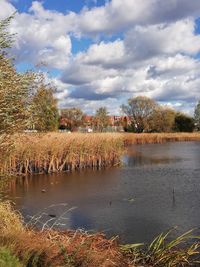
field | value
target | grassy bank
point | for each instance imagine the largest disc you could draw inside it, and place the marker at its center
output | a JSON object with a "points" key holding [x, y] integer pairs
{"points": [[21, 246], [57, 152]]}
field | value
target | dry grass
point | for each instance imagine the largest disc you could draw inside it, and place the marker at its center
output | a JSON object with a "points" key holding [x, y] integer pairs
{"points": [[57, 152], [146, 138], [54, 248], [10, 220], [79, 249]]}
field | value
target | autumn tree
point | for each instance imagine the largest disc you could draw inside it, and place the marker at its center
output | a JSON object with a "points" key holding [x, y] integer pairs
{"points": [[197, 116], [162, 120], [141, 111], [14, 88], [72, 118], [101, 119], [43, 111], [6, 39], [14, 94]]}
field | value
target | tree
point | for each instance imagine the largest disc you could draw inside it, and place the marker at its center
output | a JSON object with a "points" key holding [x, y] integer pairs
{"points": [[101, 119], [197, 116], [163, 120], [71, 118], [184, 123], [14, 87], [141, 111], [6, 39], [43, 111], [14, 92]]}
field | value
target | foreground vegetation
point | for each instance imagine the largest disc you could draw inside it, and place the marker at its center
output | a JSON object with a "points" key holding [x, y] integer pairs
{"points": [[57, 152], [21, 246]]}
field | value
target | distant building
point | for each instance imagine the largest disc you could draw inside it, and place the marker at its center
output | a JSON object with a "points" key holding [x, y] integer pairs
{"points": [[117, 123], [120, 120]]}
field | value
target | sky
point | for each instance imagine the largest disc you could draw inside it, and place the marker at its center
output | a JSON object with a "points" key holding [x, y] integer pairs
{"points": [[103, 52]]}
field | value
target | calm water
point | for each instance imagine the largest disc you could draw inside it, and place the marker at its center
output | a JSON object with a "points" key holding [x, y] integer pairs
{"points": [[157, 188]]}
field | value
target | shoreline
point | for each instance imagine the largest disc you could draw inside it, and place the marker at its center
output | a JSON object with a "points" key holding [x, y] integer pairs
{"points": [[73, 248]]}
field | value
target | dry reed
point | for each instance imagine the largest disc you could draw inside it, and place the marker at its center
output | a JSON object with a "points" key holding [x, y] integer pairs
{"points": [[56, 248], [57, 152], [154, 138], [78, 248]]}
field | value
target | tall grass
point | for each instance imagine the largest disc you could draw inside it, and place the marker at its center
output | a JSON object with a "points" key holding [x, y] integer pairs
{"points": [[57, 152], [77, 248], [181, 251], [55, 248]]}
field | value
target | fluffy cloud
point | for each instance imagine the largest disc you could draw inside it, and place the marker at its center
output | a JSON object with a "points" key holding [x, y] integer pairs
{"points": [[44, 40], [144, 42], [117, 15], [6, 9], [156, 54]]}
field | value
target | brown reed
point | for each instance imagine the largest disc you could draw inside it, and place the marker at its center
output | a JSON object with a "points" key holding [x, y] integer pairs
{"points": [[58, 152]]}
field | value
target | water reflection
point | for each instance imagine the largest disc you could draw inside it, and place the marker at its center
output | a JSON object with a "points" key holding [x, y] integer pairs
{"points": [[156, 189]]}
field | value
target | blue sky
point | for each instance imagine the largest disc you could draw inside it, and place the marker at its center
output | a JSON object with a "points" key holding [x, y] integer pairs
{"points": [[100, 53], [60, 5]]}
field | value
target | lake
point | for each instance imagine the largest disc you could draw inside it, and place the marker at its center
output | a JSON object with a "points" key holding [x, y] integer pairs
{"points": [[156, 188]]}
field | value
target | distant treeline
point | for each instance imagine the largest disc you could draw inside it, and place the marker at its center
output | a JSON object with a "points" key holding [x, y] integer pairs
{"points": [[140, 115]]}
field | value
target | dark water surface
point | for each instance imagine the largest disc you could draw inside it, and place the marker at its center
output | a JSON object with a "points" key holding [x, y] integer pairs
{"points": [[157, 188]]}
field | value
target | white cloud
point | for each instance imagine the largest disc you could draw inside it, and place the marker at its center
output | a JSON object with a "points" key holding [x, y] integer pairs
{"points": [[45, 39], [143, 42], [106, 54], [155, 55], [117, 14], [6, 9]]}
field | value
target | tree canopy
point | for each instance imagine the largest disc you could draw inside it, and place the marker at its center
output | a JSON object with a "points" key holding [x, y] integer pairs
{"points": [[101, 119], [184, 123], [14, 87], [43, 111], [6, 39], [140, 110], [72, 118], [24, 97]]}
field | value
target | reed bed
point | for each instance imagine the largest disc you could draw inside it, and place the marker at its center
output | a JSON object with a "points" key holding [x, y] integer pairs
{"points": [[58, 152], [154, 138]]}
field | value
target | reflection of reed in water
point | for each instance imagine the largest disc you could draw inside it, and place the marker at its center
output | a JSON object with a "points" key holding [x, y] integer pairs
{"points": [[137, 158]]}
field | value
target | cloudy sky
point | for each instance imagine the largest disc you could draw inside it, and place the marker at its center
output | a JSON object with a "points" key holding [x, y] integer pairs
{"points": [[100, 53]]}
